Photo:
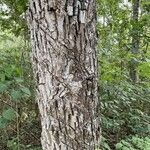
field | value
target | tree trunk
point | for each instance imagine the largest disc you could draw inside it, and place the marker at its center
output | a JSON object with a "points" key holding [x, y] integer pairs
{"points": [[135, 41], [63, 37]]}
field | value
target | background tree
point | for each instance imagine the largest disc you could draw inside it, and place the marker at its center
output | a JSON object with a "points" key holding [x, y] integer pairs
{"points": [[135, 39]]}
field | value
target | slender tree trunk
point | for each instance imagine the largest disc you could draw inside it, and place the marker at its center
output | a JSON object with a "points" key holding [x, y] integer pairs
{"points": [[135, 40], [63, 36]]}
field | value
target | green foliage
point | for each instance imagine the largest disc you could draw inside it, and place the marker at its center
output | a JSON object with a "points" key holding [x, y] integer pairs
{"points": [[3, 122], [9, 114], [124, 105], [17, 107], [144, 69], [25, 91], [104, 144], [17, 95], [128, 110], [134, 143], [13, 145], [12, 16], [3, 87]]}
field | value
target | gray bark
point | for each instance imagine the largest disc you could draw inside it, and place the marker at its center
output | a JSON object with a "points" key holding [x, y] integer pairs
{"points": [[135, 40], [63, 37]]}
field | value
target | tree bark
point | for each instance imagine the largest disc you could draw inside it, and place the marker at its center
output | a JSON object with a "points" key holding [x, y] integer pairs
{"points": [[63, 37], [135, 40]]}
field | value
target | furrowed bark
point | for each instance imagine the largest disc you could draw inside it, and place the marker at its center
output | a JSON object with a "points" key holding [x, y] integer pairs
{"points": [[63, 37]]}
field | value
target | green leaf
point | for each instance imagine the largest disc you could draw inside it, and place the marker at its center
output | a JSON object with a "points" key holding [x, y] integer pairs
{"points": [[2, 77], [3, 87], [26, 91], [9, 114], [12, 144], [106, 146], [119, 145], [148, 127], [16, 95], [3, 122], [19, 80]]}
